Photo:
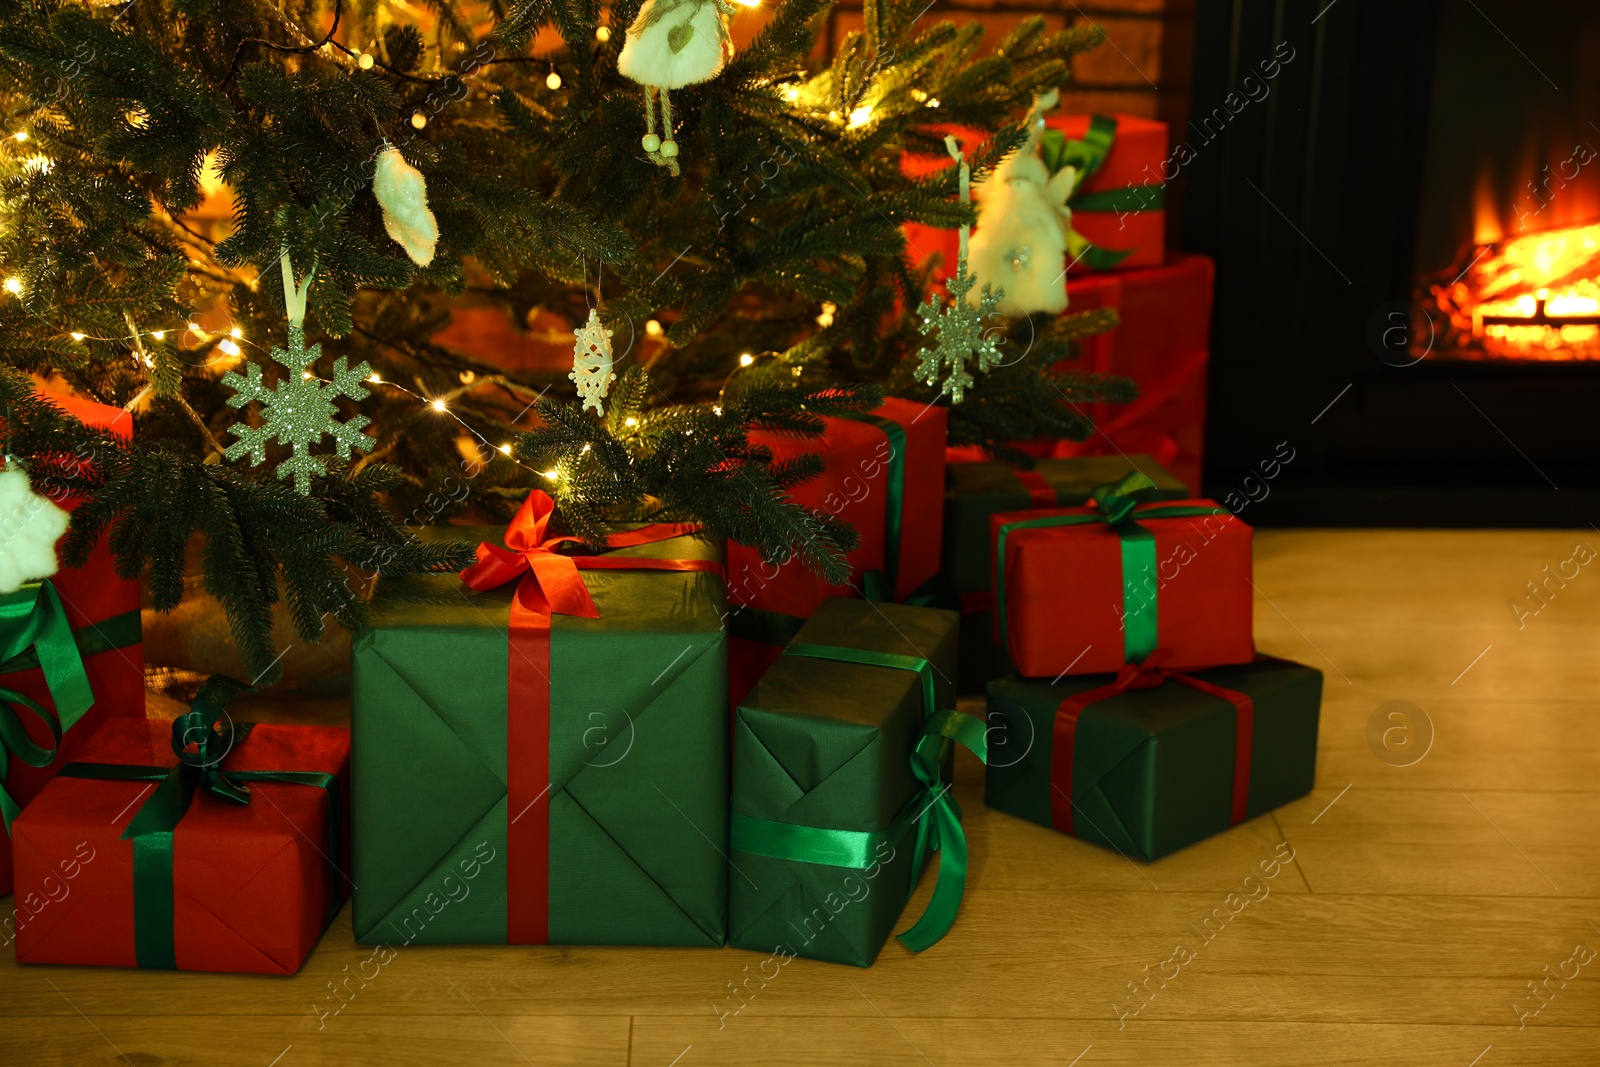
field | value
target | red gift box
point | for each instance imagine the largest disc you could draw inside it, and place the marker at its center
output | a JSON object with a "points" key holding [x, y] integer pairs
{"points": [[103, 611], [1120, 206], [903, 442], [251, 888], [1163, 342], [1076, 594]]}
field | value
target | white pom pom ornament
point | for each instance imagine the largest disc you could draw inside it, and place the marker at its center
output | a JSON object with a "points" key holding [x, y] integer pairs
{"points": [[30, 526], [402, 192], [671, 44]]}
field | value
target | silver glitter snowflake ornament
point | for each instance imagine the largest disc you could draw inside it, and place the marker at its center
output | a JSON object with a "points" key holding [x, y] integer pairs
{"points": [[299, 411], [961, 335], [959, 327]]}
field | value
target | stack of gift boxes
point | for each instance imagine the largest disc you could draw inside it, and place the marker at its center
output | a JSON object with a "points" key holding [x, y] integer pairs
{"points": [[676, 742]]}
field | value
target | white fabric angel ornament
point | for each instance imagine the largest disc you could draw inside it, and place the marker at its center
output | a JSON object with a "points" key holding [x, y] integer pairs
{"points": [[1023, 226], [671, 44]]}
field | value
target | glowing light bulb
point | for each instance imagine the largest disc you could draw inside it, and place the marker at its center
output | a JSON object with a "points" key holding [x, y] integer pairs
{"points": [[307, 375], [468, 377], [78, 335], [229, 347], [236, 333], [506, 449], [366, 61], [602, 34], [791, 93], [158, 334], [437, 405], [653, 328], [717, 409], [860, 117], [551, 475], [553, 81], [918, 95], [194, 328], [14, 285], [418, 120], [630, 422], [746, 359], [374, 379], [933, 101], [750, 3], [21, 135]]}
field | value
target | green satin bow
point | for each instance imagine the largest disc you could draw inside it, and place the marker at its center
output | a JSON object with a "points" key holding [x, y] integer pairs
{"points": [[932, 814], [202, 739], [34, 630], [1088, 156], [1118, 504]]}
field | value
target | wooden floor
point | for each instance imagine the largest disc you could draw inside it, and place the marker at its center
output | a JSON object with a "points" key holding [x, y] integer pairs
{"points": [[1431, 884]]}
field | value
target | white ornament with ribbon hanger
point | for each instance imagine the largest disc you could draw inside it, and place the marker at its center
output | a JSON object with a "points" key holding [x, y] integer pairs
{"points": [[402, 193], [1024, 225], [591, 354]]}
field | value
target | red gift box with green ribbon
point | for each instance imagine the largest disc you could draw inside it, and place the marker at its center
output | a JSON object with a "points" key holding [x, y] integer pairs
{"points": [[99, 614], [1085, 590], [884, 476], [1119, 202], [200, 845]]}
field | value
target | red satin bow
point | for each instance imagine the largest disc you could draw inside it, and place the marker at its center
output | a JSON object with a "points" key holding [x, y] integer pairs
{"points": [[1146, 675], [548, 583]]}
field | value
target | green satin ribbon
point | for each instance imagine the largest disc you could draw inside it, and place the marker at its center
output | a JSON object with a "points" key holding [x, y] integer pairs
{"points": [[895, 504], [34, 631], [932, 813], [119, 631], [1088, 156], [202, 749], [1118, 504]]}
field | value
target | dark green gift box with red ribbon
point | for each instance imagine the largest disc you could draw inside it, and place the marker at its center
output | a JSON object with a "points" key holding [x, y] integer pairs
{"points": [[540, 751], [1148, 761], [841, 759], [203, 844]]}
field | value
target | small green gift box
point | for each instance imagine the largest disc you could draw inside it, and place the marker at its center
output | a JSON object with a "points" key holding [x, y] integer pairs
{"points": [[546, 762], [840, 785], [1147, 761]]}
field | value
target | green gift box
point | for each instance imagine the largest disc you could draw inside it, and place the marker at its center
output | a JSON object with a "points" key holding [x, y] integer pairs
{"points": [[1148, 762], [455, 841], [975, 491], [840, 787]]}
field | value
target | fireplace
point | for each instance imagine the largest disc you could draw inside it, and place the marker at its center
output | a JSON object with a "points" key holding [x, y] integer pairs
{"points": [[1407, 236]]}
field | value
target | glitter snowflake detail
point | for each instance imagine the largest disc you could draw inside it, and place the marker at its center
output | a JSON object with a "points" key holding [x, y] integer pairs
{"points": [[299, 411], [961, 335]]}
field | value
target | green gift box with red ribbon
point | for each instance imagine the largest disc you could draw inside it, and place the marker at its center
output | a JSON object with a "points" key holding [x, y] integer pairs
{"points": [[1150, 760], [204, 844], [1085, 590], [540, 745], [841, 765]]}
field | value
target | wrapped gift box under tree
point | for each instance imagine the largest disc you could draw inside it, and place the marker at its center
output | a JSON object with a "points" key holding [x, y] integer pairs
{"points": [[840, 765], [1085, 590], [101, 611], [884, 475], [559, 729], [1149, 761], [199, 845]]}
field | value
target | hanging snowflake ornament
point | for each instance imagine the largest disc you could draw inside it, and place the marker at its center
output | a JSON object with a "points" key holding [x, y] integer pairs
{"points": [[30, 526], [300, 409], [591, 363], [959, 327]]}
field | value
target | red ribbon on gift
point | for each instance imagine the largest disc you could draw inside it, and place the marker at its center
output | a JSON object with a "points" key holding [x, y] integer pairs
{"points": [[548, 584], [1146, 675], [1041, 494]]}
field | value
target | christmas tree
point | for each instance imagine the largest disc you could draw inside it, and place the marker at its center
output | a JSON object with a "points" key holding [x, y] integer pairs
{"points": [[738, 234]]}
